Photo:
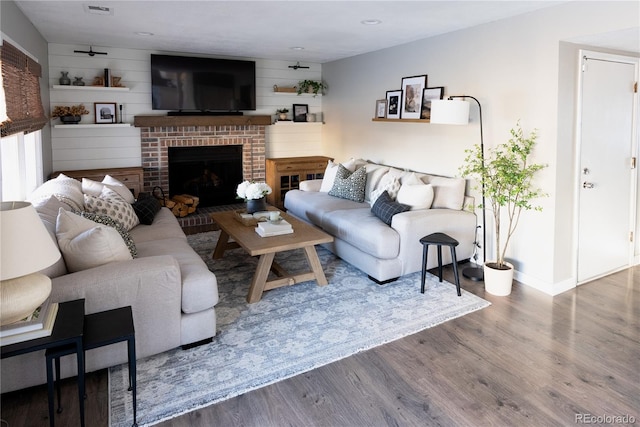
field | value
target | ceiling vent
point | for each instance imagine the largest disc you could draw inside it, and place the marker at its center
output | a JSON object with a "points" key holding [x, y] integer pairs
{"points": [[98, 10]]}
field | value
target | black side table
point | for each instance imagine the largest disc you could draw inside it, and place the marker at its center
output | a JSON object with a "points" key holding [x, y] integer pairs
{"points": [[67, 333], [101, 329], [440, 240]]}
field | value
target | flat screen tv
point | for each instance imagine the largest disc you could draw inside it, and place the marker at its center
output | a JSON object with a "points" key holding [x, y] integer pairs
{"points": [[184, 84]]}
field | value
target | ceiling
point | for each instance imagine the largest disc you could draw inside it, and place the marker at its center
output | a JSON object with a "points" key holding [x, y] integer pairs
{"points": [[324, 30]]}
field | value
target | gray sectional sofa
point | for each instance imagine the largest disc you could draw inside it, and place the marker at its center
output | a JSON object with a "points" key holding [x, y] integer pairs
{"points": [[386, 252], [170, 289]]}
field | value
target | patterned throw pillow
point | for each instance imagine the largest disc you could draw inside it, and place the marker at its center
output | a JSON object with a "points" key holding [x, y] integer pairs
{"points": [[385, 208], [67, 190], [107, 220], [349, 185], [112, 204], [389, 183], [146, 209]]}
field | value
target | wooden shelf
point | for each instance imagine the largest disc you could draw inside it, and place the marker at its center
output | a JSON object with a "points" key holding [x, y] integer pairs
{"points": [[402, 120], [95, 88], [291, 122], [93, 126], [159, 121]]}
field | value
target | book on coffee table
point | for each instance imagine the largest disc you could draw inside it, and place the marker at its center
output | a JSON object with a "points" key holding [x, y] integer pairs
{"points": [[268, 229], [32, 322]]}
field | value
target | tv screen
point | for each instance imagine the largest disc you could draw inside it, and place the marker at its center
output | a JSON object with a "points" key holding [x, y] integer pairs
{"points": [[202, 84]]}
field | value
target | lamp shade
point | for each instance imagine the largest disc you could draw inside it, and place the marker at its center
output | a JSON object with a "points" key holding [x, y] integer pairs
{"points": [[26, 245], [449, 112]]}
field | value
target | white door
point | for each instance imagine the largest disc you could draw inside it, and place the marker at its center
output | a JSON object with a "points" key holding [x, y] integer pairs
{"points": [[606, 161]]}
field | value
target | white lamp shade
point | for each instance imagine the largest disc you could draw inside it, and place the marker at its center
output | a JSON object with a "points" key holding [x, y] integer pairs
{"points": [[449, 112], [26, 245]]}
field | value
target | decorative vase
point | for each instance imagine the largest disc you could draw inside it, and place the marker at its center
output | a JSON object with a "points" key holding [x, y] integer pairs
{"points": [[498, 281], [311, 117], [70, 120], [283, 116], [65, 80], [256, 205], [78, 82]]}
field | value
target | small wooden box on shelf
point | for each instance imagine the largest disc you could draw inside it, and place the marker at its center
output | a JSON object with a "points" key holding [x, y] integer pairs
{"points": [[286, 173]]}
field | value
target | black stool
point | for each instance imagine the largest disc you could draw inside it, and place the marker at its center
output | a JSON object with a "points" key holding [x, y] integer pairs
{"points": [[101, 329], [440, 239]]}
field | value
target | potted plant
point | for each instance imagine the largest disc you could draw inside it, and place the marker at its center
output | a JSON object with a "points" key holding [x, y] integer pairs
{"points": [[69, 115], [507, 179], [282, 113], [311, 86]]}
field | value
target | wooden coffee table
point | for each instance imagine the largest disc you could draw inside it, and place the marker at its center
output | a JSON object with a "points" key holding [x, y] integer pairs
{"points": [[304, 236]]}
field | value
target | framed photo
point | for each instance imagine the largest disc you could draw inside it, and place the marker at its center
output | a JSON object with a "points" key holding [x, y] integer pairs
{"points": [[300, 112], [412, 96], [428, 94], [394, 97], [381, 109], [105, 112]]}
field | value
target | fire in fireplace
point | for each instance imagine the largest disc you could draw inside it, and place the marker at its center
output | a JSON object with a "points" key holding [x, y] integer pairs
{"points": [[211, 173]]}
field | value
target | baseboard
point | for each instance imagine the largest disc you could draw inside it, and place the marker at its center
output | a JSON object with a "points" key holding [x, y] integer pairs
{"points": [[548, 288]]}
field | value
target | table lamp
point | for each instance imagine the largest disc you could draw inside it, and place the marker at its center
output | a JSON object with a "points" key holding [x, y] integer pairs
{"points": [[454, 111], [26, 248]]}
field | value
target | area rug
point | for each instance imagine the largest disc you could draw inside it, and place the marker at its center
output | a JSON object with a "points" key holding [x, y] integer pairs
{"points": [[291, 330]]}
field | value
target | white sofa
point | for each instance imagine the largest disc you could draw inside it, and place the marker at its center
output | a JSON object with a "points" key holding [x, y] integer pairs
{"points": [[170, 289], [386, 252]]}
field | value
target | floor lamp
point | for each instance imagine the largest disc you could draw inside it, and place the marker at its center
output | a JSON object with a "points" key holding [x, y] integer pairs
{"points": [[452, 111]]}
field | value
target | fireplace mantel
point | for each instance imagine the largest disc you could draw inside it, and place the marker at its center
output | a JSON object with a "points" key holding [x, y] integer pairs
{"points": [[165, 121]]}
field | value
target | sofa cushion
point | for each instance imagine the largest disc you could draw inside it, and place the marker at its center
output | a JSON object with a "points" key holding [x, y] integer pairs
{"points": [[164, 226], [415, 193], [374, 175], [385, 208], [199, 285], [119, 187], [110, 222], [84, 244], [362, 229], [94, 188], [65, 189], [313, 206], [146, 209], [112, 204], [448, 193], [349, 185]]}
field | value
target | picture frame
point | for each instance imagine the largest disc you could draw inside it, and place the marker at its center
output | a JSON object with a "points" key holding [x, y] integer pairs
{"points": [[394, 98], [428, 94], [105, 112], [412, 96], [300, 112], [381, 109]]}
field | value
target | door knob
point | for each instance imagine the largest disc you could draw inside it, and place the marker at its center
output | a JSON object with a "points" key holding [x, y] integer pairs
{"points": [[587, 185]]}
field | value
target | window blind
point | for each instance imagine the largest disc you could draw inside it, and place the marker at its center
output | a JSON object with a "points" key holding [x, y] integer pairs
{"points": [[21, 84]]}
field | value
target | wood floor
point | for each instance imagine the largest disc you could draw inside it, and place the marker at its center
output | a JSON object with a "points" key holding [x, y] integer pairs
{"points": [[527, 360]]}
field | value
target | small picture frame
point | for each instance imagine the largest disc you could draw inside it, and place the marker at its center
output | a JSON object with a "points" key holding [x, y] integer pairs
{"points": [[428, 94], [394, 98], [412, 96], [105, 112], [381, 109], [300, 112]]}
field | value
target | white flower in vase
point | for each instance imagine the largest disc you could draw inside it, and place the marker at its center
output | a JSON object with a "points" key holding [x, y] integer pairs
{"points": [[248, 190]]}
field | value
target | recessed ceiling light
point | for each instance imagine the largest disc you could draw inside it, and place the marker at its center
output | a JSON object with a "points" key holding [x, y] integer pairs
{"points": [[371, 22], [296, 48], [144, 33]]}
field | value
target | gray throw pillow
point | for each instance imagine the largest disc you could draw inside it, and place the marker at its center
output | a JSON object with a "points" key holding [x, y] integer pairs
{"points": [[385, 208], [348, 185]]}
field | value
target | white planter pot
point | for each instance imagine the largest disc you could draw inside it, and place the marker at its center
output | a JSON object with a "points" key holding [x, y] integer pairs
{"points": [[498, 282]]}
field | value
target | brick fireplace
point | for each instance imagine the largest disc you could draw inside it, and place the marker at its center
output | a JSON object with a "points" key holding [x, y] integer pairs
{"points": [[158, 133]]}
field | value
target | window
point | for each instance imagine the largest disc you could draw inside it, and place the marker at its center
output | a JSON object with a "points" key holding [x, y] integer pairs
{"points": [[21, 165]]}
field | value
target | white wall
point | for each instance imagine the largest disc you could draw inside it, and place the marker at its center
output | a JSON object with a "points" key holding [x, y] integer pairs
{"points": [[512, 67], [120, 147]]}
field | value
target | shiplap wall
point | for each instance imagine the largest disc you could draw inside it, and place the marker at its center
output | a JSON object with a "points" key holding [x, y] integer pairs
{"points": [[90, 148]]}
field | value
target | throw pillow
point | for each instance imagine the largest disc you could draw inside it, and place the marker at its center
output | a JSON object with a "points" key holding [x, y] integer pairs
{"points": [[146, 209], [385, 208], [108, 221], [415, 193], [330, 173], [349, 185], [448, 192], [119, 187], [65, 189], [94, 188], [389, 183], [111, 204], [86, 245]]}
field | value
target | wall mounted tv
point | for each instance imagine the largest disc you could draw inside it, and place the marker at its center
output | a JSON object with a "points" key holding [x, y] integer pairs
{"points": [[194, 84]]}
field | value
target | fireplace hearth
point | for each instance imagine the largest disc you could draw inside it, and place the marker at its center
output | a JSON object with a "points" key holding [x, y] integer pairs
{"points": [[211, 173]]}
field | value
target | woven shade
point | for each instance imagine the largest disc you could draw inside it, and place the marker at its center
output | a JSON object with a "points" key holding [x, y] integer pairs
{"points": [[21, 82]]}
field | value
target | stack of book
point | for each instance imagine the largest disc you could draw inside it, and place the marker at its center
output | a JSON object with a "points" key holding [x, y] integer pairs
{"points": [[37, 325], [268, 229]]}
